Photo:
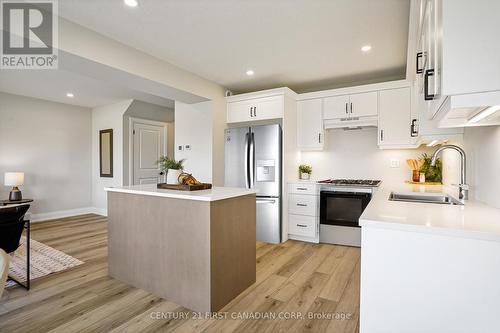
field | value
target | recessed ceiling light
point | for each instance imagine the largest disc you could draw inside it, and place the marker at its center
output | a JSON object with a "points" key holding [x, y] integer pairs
{"points": [[70, 95], [131, 3], [366, 48], [250, 72]]}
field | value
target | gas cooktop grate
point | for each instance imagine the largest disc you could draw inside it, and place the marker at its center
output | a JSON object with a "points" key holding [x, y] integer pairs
{"points": [[347, 182]]}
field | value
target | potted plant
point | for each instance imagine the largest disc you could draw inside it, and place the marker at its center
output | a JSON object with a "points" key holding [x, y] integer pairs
{"points": [[305, 171], [432, 173], [172, 168]]}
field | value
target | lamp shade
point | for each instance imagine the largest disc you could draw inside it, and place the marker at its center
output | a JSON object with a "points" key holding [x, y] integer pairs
{"points": [[14, 178]]}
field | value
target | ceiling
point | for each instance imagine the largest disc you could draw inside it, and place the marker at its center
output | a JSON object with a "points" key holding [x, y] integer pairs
{"points": [[302, 44], [53, 85]]}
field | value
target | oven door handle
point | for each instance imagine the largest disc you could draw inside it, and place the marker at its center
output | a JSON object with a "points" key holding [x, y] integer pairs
{"points": [[345, 194]]}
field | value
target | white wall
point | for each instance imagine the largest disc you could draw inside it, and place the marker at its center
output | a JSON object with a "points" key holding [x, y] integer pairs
{"points": [[193, 126], [105, 117], [50, 143], [148, 111], [482, 145], [77, 40], [355, 154]]}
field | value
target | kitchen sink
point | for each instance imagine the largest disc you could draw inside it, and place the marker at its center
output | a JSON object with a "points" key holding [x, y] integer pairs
{"points": [[436, 198]]}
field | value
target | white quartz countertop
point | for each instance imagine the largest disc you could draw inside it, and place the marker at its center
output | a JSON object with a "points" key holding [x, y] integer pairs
{"points": [[472, 220], [214, 194]]}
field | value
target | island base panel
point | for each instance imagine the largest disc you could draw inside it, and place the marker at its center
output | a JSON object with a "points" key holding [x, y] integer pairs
{"points": [[197, 254]]}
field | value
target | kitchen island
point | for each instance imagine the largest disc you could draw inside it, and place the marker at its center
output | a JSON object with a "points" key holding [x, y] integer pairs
{"points": [[428, 267], [196, 249]]}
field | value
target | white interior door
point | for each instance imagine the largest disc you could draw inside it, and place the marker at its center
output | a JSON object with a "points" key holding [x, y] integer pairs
{"points": [[149, 145]]}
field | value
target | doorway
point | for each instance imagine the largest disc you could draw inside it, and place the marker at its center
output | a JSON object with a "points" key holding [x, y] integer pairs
{"points": [[148, 140]]}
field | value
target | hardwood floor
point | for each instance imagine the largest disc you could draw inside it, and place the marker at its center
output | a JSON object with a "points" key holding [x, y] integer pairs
{"points": [[309, 281]]}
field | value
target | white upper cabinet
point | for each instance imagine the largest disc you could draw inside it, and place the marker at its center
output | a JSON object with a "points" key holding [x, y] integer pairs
{"points": [[395, 118], [310, 134], [255, 109], [240, 111], [269, 108], [471, 47], [364, 104], [336, 107], [351, 106], [457, 52]]}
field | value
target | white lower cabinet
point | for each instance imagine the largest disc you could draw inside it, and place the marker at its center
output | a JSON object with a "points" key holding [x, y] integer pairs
{"points": [[302, 225], [303, 212]]}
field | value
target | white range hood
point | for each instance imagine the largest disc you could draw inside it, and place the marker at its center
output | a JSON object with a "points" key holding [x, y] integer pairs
{"points": [[351, 123]]}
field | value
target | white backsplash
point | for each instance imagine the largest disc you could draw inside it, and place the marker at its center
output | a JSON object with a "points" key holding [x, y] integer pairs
{"points": [[355, 154], [482, 145]]}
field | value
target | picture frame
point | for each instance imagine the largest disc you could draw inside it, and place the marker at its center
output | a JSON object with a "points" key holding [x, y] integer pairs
{"points": [[106, 153]]}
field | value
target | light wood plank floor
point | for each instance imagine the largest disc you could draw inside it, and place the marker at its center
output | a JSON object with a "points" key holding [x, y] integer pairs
{"points": [[293, 278]]}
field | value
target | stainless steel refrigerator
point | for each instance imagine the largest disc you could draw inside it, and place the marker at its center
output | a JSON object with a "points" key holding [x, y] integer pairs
{"points": [[253, 159]]}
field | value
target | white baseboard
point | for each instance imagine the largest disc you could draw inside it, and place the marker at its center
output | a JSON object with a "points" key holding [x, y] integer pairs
{"points": [[65, 213], [99, 211]]}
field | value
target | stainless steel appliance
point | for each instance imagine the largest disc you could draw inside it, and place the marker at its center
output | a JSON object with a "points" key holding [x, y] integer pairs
{"points": [[342, 201], [253, 160]]}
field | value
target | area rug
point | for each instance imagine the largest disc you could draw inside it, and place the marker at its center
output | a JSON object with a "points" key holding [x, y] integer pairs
{"points": [[44, 260]]}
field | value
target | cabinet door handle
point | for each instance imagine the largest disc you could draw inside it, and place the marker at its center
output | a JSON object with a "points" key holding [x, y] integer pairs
{"points": [[319, 137], [301, 189], [301, 205], [302, 225], [255, 111], [413, 128], [419, 57], [251, 109], [427, 95], [346, 112], [351, 108], [381, 135]]}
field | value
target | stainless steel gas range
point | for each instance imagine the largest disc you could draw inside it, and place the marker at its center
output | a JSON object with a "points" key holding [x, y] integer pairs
{"points": [[342, 201]]}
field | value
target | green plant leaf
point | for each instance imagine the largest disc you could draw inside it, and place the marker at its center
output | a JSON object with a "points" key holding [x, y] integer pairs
{"points": [[166, 163], [432, 173], [304, 168]]}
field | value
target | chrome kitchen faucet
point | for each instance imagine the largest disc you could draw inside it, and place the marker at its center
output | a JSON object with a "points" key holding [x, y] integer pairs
{"points": [[463, 188]]}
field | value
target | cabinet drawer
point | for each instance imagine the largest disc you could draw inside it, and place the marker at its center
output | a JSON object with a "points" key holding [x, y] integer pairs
{"points": [[304, 188], [302, 225], [302, 204]]}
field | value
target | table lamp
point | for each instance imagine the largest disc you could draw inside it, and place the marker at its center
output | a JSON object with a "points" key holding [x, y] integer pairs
{"points": [[14, 179]]}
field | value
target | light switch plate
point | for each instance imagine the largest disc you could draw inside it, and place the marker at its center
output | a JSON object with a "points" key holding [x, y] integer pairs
{"points": [[394, 163], [180, 148]]}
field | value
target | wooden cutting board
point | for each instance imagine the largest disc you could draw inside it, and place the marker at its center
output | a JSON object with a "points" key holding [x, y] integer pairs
{"points": [[180, 187], [424, 183]]}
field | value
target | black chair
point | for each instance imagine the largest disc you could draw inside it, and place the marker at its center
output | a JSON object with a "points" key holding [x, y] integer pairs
{"points": [[12, 224]]}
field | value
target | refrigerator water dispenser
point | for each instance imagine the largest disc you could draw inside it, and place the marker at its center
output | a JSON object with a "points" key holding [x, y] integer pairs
{"points": [[266, 171]]}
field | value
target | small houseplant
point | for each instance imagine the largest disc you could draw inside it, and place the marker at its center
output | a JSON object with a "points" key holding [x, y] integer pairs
{"points": [[432, 173], [172, 168], [305, 171]]}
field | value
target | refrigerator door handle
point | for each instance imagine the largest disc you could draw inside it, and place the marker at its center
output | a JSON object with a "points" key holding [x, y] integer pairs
{"points": [[252, 160], [268, 201], [247, 152]]}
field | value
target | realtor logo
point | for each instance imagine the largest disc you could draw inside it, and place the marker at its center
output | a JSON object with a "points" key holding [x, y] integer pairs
{"points": [[29, 34]]}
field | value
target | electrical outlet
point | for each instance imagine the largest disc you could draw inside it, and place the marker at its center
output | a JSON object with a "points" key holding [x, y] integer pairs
{"points": [[394, 163], [188, 147]]}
